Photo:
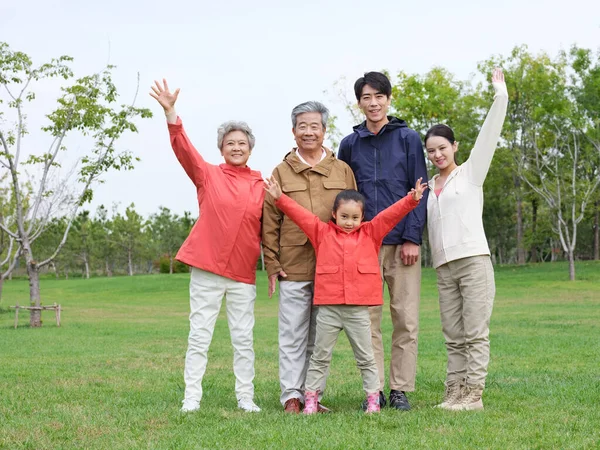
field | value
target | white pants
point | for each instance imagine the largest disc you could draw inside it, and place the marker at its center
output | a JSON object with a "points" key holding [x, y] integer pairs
{"points": [[297, 327], [206, 293]]}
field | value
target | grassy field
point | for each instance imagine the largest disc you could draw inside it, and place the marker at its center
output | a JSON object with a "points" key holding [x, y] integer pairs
{"points": [[111, 376]]}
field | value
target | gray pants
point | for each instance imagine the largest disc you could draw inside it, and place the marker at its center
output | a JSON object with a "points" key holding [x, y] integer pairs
{"points": [[297, 326], [355, 321], [466, 287]]}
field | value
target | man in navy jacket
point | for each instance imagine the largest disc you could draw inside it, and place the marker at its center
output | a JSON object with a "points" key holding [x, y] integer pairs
{"points": [[387, 158]]}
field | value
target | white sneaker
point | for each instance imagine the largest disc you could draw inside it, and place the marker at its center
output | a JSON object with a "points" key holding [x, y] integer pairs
{"points": [[247, 405], [190, 406]]}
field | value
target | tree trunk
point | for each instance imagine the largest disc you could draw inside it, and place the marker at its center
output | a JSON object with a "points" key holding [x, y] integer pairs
{"points": [[33, 273], [534, 249], [597, 230], [571, 254], [129, 263], [107, 269], [520, 246], [53, 265], [171, 264], [87, 267]]}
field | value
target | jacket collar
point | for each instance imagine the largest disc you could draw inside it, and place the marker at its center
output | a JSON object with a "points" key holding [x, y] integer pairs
{"points": [[455, 172], [323, 167], [240, 171], [339, 229], [393, 123]]}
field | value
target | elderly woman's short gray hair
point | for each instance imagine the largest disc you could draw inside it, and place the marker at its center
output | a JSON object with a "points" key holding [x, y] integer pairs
{"points": [[234, 125], [311, 107]]}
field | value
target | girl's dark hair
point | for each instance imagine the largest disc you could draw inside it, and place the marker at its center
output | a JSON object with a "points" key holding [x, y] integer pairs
{"points": [[347, 196], [376, 80], [440, 130]]}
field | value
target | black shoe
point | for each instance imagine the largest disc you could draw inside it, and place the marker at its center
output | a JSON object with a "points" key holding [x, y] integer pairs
{"points": [[382, 401], [399, 401]]}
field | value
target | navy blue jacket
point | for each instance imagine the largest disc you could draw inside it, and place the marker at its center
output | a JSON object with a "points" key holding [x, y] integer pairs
{"points": [[386, 166]]}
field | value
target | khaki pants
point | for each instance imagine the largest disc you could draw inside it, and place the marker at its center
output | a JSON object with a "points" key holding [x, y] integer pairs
{"points": [[466, 288], [354, 320], [206, 294], [404, 284]]}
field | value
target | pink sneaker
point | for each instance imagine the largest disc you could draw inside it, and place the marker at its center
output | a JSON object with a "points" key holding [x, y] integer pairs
{"points": [[373, 403], [311, 401]]}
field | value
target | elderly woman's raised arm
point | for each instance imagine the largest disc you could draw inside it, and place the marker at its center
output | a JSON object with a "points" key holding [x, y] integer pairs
{"points": [[192, 162]]}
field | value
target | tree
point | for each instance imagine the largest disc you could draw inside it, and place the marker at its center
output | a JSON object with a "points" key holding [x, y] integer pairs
{"points": [[586, 92], [87, 107], [169, 230], [128, 234], [102, 242], [563, 167]]}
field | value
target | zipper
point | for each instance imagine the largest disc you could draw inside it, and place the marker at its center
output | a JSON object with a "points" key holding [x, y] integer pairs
{"points": [[375, 177]]}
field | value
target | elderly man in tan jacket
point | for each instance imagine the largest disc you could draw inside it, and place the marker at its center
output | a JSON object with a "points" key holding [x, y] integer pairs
{"points": [[312, 176]]}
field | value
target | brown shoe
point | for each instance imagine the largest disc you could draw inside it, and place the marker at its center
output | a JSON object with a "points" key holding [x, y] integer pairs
{"points": [[322, 409], [292, 406]]}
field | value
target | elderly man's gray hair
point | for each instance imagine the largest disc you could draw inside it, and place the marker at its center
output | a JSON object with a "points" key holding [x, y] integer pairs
{"points": [[234, 125], [307, 107]]}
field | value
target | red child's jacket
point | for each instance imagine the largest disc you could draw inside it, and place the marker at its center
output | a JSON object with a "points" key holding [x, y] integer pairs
{"points": [[226, 237], [347, 264]]}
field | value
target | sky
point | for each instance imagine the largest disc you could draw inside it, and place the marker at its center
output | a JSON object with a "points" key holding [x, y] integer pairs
{"points": [[256, 60]]}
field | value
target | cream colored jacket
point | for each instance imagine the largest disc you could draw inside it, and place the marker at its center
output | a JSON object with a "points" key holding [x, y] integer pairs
{"points": [[454, 219]]}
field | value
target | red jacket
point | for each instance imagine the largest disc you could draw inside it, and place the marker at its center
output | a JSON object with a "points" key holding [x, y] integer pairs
{"points": [[226, 238], [347, 270]]}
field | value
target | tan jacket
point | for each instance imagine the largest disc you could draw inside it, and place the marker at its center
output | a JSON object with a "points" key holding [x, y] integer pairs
{"points": [[285, 246]]}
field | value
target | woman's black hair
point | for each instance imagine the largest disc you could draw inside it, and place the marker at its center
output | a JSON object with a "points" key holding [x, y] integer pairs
{"points": [[347, 196], [440, 130], [444, 131]]}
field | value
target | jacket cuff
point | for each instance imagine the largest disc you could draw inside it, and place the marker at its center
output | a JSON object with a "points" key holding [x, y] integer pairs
{"points": [[273, 269], [175, 128]]}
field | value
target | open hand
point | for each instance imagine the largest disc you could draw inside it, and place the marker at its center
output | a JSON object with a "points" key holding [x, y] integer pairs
{"points": [[497, 75], [272, 187], [273, 281], [163, 95], [417, 191]]}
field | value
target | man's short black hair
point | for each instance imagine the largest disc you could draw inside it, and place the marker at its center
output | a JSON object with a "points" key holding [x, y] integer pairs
{"points": [[376, 80]]}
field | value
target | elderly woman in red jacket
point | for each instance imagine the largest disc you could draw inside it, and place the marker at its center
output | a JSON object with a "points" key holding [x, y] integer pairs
{"points": [[222, 248]]}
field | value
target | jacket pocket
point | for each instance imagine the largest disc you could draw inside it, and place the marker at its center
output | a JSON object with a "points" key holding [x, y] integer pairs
{"points": [[335, 184], [368, 280], [293, 187], [327, 269], [362, 268]]}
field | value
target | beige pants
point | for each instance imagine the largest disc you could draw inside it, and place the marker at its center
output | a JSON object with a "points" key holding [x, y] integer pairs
{"points": [[354, 320], [466, 287], [404, 284], [206, 294]]}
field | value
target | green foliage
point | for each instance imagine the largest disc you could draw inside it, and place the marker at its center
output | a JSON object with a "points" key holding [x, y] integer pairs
{"points": [[164, 265]]}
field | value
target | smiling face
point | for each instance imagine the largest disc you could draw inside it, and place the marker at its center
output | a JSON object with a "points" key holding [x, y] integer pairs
{"points": [[348, 215], [441, 152], [236, 148], [374, 104], [309, 131]]}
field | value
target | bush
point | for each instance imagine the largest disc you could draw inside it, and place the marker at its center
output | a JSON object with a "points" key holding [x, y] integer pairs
{"points": [[178, 267]]}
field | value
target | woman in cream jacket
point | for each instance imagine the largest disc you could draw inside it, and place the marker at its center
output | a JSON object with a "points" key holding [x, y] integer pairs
{"points": [[461, 255]]}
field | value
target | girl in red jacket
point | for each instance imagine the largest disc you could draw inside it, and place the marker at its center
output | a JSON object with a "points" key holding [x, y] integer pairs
{"points": [[347, 280]]}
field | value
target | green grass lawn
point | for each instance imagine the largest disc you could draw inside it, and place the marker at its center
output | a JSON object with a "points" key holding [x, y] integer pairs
{"points": [[112, 375]]}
